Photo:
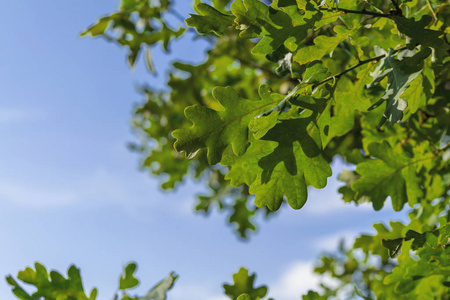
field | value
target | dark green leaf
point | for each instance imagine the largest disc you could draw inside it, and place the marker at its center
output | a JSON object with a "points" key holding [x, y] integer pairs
{"points": [[210, 20]]}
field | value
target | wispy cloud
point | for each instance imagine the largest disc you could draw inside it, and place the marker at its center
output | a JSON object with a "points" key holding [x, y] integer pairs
{"points": [[35, 196], [296, 280], [100, 187]]}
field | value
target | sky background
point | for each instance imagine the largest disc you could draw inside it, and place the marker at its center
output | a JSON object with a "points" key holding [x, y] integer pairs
{"points": [[71, 191]]}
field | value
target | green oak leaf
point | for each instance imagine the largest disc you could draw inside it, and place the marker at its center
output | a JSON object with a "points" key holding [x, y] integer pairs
{"points": [[17, 289], [350, 97], [242, 217], [417, 32], [210, 20], [422, 277], [98, 28], [415, 94], [314, 73], [393, 174], [286, 159], [243, 283], [124, 28], [437, 238], [323, 45], [215, 130], [373, 244], [261, 125], [419, 239], [420, 89], [51, 285], [277, 25], [127, 279], [348, 194], [399, 74], [159, 291], [313, 295], [244, 297]]}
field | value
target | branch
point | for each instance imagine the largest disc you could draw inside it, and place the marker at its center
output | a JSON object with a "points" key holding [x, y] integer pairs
{"points": [[363, 62], [359, 12], [267, 70], [177, 15]]}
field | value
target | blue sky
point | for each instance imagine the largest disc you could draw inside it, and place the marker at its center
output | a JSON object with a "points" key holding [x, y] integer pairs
{"points": [[71, 192]]}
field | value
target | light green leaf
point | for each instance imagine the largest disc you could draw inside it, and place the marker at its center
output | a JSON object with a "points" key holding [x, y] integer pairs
{"points": [[244, 297], [323, 45], [17, 289], [399, 75], [393, 174], [243, 283], [215, 130], [127, 279], [242, 216], [286, 159], [52, 286], [350, 97], [315, 73], [98, 28], [280, 24]]}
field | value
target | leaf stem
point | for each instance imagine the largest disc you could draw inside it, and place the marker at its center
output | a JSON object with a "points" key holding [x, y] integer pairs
{"points": [[432, 11], [359, 12]]}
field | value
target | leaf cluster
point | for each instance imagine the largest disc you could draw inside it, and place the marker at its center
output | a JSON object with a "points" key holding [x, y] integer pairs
{"points": [[287, 87], [54, 286]]}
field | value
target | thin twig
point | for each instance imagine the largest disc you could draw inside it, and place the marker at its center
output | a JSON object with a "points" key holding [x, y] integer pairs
{"points": [[432, 11], [177, 15], [359, 12], [397, 7], [363, 62]]}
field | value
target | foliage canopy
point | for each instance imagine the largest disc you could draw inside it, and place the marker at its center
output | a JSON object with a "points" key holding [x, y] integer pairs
{"points": [[288, 86]]}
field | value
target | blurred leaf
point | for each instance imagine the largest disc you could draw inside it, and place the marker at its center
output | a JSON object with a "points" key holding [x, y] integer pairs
{"points": [[159, 291], [127, 279], [243, 283], [210, 20]]}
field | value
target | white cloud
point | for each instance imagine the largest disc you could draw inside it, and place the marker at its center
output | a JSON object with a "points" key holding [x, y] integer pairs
{"points": [[330, 242], [296, 280], [329, 201], [194, 292]]}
